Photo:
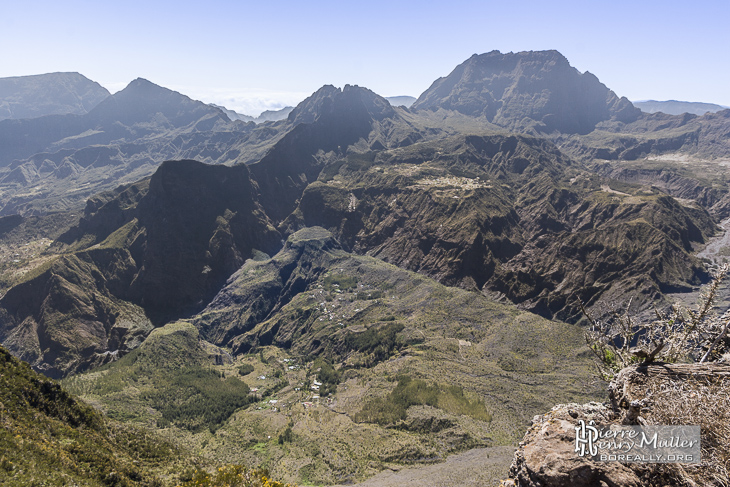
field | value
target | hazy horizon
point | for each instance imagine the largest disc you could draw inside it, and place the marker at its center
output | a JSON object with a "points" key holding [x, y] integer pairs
{"points": [[251, 57]]}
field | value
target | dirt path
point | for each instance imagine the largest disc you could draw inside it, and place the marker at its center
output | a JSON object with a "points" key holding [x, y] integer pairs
{"points": [[482, 467], [716, 247]]}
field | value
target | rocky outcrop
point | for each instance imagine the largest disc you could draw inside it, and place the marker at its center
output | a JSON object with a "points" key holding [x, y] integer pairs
{"points": [[546, 456]]}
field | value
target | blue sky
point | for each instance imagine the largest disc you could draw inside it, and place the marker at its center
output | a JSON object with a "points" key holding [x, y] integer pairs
{"points": [[255, 55]]}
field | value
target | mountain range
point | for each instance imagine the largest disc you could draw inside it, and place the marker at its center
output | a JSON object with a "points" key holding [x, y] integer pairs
{"points": [[674, 107], [423, 266]]}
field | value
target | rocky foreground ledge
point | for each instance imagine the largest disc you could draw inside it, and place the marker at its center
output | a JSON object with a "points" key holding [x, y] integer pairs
{"points": [[653, 394]]}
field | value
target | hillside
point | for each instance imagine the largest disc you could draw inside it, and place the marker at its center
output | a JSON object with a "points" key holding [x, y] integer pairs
{"points": [[50, 437], [409, 371], [508, 216], [57, 162], [357, 287]]}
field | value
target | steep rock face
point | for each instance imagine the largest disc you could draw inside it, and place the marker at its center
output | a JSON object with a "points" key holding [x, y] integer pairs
{"points": [[48, 94], [196, 225], [536, 90]]}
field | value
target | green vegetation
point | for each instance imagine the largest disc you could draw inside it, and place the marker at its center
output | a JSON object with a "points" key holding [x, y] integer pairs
{"points": [[339, 282], [233, 476], [327, 375], [171, 373], [508, 366], [287, 436], [49, 436], [409, 392], [196, 398], [245, 369], [378, 342]]}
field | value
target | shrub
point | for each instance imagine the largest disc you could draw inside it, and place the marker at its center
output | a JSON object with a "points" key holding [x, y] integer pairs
{"points": [[233, 476], [327, 375], [287, 436], [681, 334], [378, 341], [245, 369]]}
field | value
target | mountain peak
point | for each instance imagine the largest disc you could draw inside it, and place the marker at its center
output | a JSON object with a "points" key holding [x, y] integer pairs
{"points": [[141, 100], [142, 86], [329, 100], [534, 91]]}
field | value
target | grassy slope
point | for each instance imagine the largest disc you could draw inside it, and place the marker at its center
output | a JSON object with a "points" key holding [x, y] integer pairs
{"points": [[48, 438]]}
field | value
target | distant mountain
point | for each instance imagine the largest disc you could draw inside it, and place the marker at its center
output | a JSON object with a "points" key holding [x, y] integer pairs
{"points": [[397, 101], [266, 116], [274, 115], [233, 115], [534, 91], [674, 107], [48, 94], [121, 140], [141, 109]]}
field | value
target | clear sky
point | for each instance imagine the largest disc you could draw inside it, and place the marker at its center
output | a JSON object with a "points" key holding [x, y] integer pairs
{"points": [[250, 56]]}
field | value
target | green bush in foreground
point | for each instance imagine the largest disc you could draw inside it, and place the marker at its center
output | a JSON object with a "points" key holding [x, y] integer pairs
{"points": [[49, 438], [233, 476]]}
